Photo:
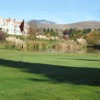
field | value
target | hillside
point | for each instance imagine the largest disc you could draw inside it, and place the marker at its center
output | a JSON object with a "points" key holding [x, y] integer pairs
{"points": [[78, 25], [84, 25], [42, 21], [47, 24]]}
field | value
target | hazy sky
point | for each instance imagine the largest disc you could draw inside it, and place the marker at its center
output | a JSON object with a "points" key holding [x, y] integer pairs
{"points": [[60, 11]]}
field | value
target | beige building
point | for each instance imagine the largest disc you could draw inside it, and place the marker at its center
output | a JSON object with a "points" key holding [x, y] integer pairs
{"points": [[11, 26]]}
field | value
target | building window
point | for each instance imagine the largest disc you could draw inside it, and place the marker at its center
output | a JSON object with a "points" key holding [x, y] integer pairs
{"points": [[7, 30], [4, 23], [15, 30], [0, 29]]}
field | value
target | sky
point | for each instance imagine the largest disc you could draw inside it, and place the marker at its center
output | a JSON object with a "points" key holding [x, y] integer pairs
{"points": [[59, 11]]}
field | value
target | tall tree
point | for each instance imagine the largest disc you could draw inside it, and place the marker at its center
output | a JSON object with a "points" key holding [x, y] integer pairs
{"points": [[48, 30], [44, 30], [32, 29]]}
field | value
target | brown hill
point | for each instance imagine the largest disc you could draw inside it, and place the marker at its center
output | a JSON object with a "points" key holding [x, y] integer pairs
{"points": [[84, 25], [78, 25], [53, 26]]}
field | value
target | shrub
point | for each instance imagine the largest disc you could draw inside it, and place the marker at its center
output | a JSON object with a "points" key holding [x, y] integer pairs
{"points": [[2, 36], [35, 45], [92, 38], [71, 45], [14, 43]]}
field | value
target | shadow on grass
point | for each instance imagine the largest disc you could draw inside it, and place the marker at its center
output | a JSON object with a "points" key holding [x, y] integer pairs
{"points": [[58, 74], [88, 59], [81, 59]]}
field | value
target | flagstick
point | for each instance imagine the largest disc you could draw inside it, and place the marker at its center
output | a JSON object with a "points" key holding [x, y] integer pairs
{"points": [[22, 53], [22, 30], [23, 47]]}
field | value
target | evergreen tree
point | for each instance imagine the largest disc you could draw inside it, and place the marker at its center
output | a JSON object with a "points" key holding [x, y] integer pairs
{"points": [[48, 30], [44, 30], [51, 30]]}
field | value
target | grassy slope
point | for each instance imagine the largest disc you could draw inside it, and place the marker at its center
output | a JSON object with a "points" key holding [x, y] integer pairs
{"points": [[49, 76]]}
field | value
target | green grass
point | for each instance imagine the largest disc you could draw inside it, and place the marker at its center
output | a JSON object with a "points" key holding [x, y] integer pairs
{"points": [[45, 76]]}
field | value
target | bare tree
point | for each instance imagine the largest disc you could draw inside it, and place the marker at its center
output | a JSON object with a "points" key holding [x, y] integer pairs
{"points": [[33, 29]]}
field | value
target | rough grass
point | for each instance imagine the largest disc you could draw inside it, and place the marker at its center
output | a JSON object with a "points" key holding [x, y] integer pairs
{"points": [[49, 76]]}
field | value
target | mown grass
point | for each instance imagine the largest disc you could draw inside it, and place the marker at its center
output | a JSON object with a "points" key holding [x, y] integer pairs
{"points": [[45, 76]]}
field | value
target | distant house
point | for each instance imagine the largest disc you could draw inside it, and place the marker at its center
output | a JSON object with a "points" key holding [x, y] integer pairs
{"points": [[11, 26]]}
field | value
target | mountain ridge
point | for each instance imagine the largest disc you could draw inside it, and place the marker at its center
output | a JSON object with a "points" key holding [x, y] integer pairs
{"points": [[84, 25], [42, 21], [78, 25]]}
